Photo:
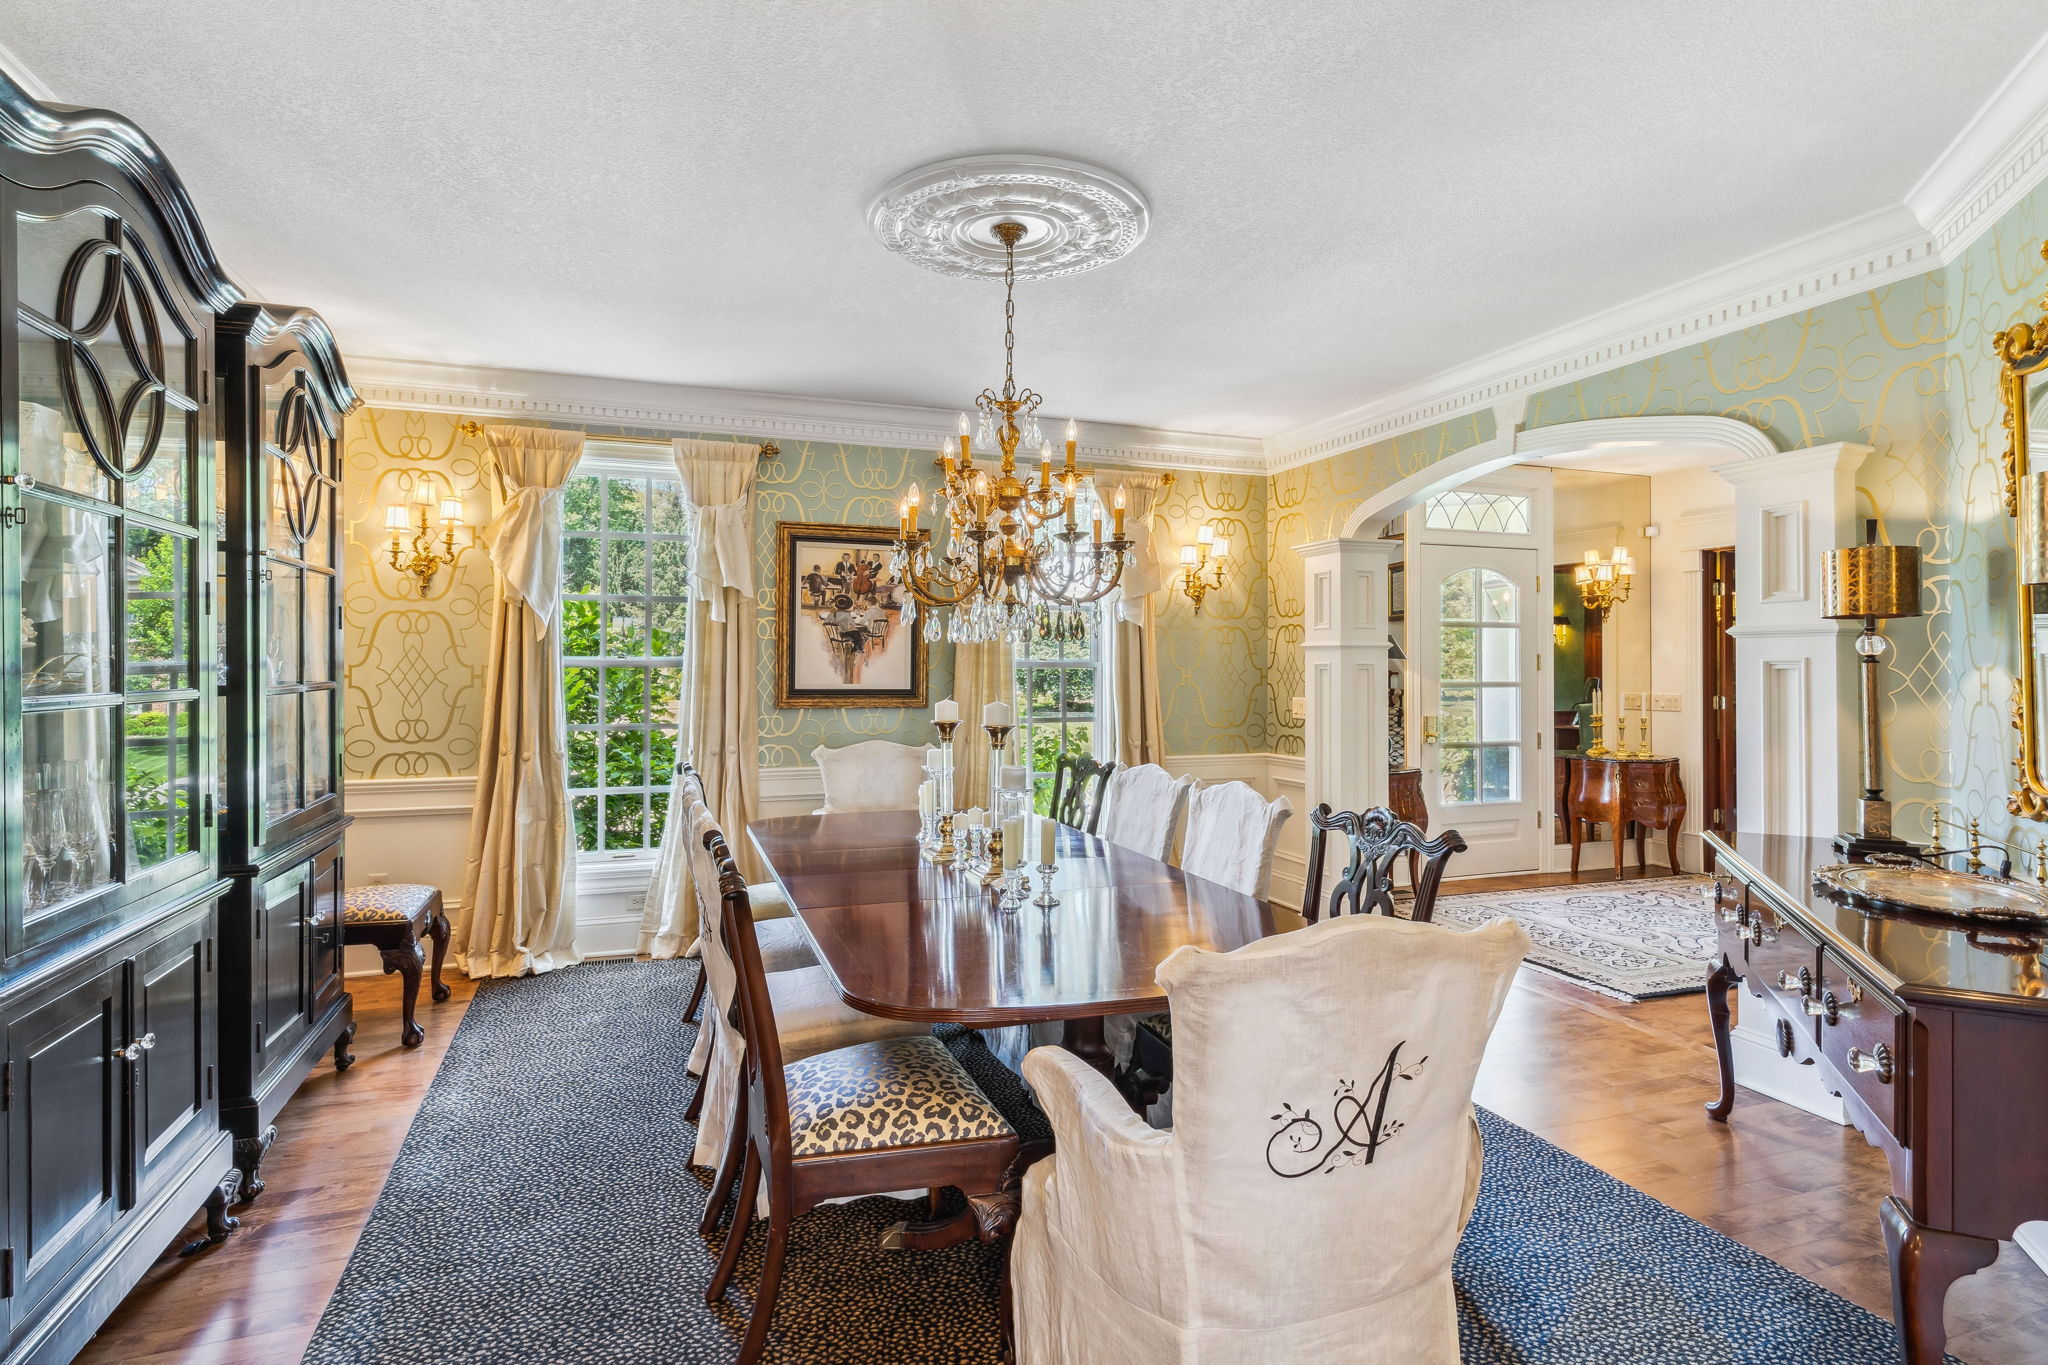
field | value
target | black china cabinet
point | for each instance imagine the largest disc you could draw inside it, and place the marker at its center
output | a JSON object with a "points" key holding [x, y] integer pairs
{"points": [[284, 394], [156, 790]]}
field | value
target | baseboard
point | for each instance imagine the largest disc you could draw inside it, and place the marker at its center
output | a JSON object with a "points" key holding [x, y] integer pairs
{"points": [[2033, 1239]]}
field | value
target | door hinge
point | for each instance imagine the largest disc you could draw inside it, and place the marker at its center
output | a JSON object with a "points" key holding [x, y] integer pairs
{"points": [[209, 1080], [1539, 819], [206, 811], [14, 516], [1539, 742], [7, 1273], [209, 954], [206, 597], [7, 1086]]}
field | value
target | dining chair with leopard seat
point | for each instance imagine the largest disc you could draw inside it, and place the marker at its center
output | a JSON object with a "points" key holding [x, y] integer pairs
{"points": [[879, 1116]]}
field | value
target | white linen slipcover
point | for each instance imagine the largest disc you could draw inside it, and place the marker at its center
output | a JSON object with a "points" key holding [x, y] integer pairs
{"points": [[1274, 1222], [1232, 835], [1142, 809], [876, 774]]}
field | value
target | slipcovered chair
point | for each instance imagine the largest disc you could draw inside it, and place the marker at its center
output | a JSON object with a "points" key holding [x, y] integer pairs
{"points": [[875, 774], [1232, 835], [1323, 1163], [804, 1002], [1142, 810], [783, 947]]}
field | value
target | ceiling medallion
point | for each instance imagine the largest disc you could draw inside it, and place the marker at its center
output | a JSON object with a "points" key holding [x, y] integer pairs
{"points": [[943, 216]]}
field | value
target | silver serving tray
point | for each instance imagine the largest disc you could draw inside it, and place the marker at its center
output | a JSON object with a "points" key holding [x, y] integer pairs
{"points": [[1884, 886]]}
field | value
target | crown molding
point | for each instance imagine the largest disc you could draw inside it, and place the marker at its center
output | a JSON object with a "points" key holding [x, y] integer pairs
{"points": [[2000, 155], [1846, 259], [429, 386]]}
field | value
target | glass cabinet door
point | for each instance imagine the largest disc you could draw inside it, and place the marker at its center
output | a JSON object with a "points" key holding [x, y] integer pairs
{"points": [[104, 508], [301, 455]]}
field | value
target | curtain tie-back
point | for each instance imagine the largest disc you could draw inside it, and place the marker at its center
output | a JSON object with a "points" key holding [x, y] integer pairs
{"points": [[722, 537], [525, 541]]}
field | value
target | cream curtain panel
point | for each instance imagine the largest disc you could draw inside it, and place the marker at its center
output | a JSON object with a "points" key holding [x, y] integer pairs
{"points": [[518, 910], [1130, 635], [981, 674], [718, 721]]}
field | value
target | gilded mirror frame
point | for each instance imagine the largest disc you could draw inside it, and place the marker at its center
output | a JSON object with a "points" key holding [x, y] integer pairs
{"points": [[2023, 352]]}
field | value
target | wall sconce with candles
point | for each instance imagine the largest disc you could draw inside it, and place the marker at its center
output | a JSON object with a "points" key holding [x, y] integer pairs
{"points": [[419, 514], [1602, 583], [1201, 565]]}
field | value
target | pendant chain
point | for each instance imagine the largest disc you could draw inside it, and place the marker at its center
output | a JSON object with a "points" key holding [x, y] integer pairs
{"points": [[1010, 320]]}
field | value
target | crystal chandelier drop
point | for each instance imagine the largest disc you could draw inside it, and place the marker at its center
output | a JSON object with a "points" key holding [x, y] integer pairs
{"points": [[1009, 556]]}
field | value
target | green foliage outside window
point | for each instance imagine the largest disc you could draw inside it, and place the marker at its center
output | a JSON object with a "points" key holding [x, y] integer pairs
{"points": [[625, 571], [1056, 695]]}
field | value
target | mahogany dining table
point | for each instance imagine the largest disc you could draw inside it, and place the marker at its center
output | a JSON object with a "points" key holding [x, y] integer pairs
{"points": [[907, 939]]}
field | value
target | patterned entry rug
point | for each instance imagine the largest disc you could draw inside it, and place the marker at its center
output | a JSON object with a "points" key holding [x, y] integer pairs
{"points": [[1630, 940], [540, 1214]]}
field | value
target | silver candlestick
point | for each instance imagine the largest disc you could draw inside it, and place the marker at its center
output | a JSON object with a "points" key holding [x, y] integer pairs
{"points": [[1045, 896]]}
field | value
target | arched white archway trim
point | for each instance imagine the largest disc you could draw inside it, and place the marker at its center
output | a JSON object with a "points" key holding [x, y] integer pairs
{"points": [[1685, 438]]}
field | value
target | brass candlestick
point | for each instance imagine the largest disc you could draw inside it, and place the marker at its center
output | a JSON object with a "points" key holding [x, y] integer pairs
{"points": [[1598, 748], [1643, 737], [945, 852]]}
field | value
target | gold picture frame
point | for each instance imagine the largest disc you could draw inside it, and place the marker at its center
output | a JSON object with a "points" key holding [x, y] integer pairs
{"points": [[2023, 353], [845, 633]]}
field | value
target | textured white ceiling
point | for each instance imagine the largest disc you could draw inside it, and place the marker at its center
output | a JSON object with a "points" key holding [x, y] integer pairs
{"points": [[1346, 197]]}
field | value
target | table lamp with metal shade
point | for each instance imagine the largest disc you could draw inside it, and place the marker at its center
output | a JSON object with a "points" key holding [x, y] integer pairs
{"points": [[1874, 582]]}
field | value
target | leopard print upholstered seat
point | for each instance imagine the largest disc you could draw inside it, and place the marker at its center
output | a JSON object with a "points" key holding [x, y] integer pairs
{"points": [[389, 902], [897, 1092]]}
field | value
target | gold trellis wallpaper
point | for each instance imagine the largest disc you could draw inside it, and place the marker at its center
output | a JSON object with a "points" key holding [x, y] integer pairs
{"points": [[415, 678]]}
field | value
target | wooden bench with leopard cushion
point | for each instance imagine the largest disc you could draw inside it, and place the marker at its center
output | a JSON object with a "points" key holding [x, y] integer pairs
{"points": [[392, 917]]}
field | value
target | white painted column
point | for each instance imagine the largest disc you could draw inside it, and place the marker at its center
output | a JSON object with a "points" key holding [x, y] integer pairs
{"points": [[1344, 653], [1795, 691]]}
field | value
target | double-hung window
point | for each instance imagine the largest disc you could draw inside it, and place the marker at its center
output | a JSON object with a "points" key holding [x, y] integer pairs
{"points": [[625, 570], [1057, 670]]}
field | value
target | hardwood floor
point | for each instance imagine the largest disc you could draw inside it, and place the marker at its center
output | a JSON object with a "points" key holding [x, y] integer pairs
{"points": [[1619, 1085], [253, 1300]]}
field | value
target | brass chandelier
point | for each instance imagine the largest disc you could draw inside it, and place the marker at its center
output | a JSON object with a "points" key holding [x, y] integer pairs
{"points": [[1014, 557]]}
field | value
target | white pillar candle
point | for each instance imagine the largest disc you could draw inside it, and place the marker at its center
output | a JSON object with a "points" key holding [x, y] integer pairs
{"points": [[947, 712], [1048, 834], [1013, 843], [927, 797], [996, 713]]}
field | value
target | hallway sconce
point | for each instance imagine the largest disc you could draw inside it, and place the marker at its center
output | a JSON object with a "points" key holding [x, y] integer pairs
{"points": [[1201, 565], [1561, 629], [1603, 583], [1874, 582], [418, 515]]}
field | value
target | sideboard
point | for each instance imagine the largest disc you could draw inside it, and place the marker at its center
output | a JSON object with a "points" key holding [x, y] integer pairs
{"points": [[1934, 1034]]}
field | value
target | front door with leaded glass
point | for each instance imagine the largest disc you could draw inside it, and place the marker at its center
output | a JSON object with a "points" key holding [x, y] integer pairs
{"points": [[1483, 616]]}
